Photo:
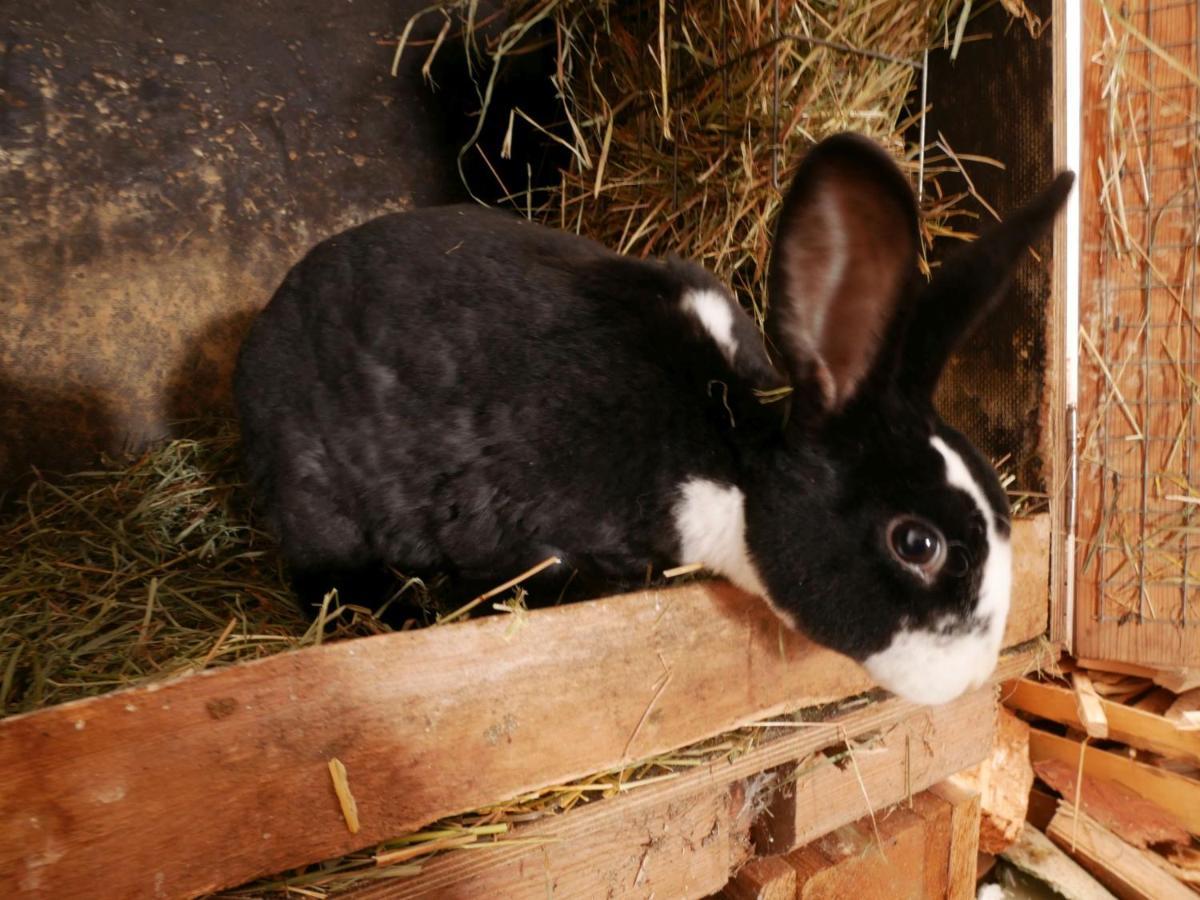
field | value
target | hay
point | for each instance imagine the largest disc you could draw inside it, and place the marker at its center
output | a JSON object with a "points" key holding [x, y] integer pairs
{"points": [[683, 120], [146, 569]]}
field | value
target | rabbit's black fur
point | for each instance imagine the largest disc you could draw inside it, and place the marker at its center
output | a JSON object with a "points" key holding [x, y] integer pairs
{"points": [[458, 390]]}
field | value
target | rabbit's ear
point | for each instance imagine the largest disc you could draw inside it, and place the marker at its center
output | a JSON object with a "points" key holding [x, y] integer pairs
{"points": [[969, 285], [842, 264]]}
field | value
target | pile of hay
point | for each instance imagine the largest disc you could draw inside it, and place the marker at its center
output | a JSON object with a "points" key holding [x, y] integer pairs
{"points": [[684, 120], [148, 568]]}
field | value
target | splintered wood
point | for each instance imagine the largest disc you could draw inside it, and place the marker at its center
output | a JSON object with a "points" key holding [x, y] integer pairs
{"points": [[1003, 781], [1139, 477], [1137, 790], [1126, 870]]}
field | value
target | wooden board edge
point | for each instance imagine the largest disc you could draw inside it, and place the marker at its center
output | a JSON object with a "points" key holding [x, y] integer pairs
{"points": [[1135, 727]]}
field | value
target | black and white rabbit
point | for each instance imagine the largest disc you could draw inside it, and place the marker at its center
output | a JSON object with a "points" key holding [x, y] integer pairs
{"points": [[458, 390]]}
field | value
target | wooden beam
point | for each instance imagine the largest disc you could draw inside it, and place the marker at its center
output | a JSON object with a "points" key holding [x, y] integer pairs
{"points": [[680, 842], [819, 794], [1128, 815], [765, 878], [208, 781], [1174, 793], [502, 870], [865, 859], [1176, 680], [1124, 869], [1129, 725], [956, 848], [1036, 854]]}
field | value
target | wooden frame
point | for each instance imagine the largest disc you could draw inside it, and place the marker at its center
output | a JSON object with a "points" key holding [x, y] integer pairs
{"points": [[214, 779], [1141, 619], [1127, 724]]}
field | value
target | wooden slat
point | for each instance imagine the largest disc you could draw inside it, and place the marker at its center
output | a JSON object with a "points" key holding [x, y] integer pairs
{"points": [[881, 858], [964, 838], [211, 780], [1088, 706], [1125, 870], [1128, 815], [1127, 724], [765, 878], [1177, 680], [1174, 793], [520, 867], [937, 814], [1031, 567], [903, 760], [1056, 439]]}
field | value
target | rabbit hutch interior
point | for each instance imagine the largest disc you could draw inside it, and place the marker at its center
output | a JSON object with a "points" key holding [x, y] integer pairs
{"points": [[175, 725]]}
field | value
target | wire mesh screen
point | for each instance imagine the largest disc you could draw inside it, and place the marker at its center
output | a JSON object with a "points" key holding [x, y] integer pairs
{"points": [[1140, 355]]}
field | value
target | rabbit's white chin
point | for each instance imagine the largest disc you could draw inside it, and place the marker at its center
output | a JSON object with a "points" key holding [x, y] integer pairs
{"points": [[931, 668], [935, 665]]}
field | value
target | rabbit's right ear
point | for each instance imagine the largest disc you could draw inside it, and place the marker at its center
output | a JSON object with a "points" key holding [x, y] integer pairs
{"points": [[842, 265]]}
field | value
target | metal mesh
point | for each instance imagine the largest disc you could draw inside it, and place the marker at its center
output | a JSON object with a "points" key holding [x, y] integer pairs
{"points": [[1141, 336]]}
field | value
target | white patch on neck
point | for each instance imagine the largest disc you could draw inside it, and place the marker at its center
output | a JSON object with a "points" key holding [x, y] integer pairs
{"points": [[927, 666], [715, 314], [710, 519]]}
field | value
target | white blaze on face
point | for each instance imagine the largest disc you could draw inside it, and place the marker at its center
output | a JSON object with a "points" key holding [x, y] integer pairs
{"points": [[710, 520], [936, 665], [715, 314]]}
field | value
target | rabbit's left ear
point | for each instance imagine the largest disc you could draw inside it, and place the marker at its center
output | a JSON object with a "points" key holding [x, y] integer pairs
{"points": [[842, 266], [969, 285]]}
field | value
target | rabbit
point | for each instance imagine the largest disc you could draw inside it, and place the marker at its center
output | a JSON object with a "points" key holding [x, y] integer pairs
{"points": [[459, 390]]}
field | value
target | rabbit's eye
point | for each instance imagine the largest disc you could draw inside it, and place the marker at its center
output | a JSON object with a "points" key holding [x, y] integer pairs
{"points": [[917, 545]]}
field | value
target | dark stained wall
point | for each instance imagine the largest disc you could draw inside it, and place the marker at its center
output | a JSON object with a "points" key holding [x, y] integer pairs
{"points": [[996, 100], [161, 166]]}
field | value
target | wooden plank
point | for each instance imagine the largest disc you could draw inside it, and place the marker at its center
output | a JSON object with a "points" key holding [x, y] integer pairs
{"points": [[1184, 712], [1124, 869], [1088, 706], [765, 878], [1040, 857], [1129, 725], [676, 843], [1176, 680], [1057, 437], [884, 857], [1031, 568], [503, 870], [211, 780], [819, 794], [1176, 794], [1132, 818], [937, 814], [963, 853]]}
